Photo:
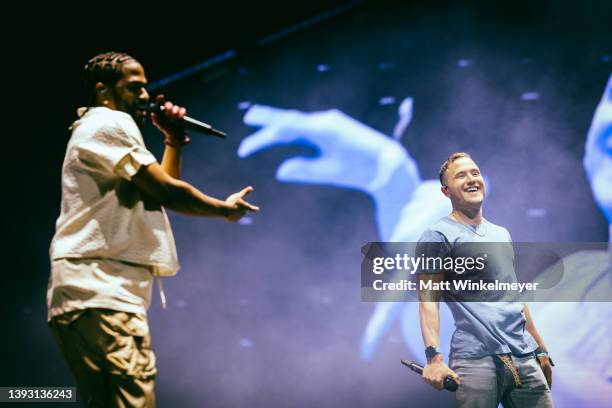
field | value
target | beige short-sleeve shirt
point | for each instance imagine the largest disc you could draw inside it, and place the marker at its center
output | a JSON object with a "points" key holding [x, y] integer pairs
{"points": [[103, 215]]}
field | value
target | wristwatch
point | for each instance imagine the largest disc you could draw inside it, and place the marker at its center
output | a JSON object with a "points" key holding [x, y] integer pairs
{"points": [[539, 352], [431, 352]]}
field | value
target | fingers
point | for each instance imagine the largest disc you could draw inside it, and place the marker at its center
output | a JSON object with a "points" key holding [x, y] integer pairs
{"points": [[430, 381], [240, 210], [245, 191], [242, 205], [438, 375], [437, 381], [280, 126], [171, 111], [261, 115], [266, 137], [174, 112], [247, 205]]}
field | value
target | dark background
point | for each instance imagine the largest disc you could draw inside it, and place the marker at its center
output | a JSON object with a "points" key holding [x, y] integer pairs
{"points": [[269, 314]]}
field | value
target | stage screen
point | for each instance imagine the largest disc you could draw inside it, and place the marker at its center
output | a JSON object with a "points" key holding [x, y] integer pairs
{"points": [[341, 126]]}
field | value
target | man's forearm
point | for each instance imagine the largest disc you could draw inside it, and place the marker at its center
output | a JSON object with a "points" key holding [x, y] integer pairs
{"points": [[429, 317], [188, 200], [544, 360], [531, 328], [171, 161], [436, 371], [429, 311], [178, 195]]}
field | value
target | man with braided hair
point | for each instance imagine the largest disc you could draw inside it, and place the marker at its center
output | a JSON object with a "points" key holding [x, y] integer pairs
{"points": [[113, 236]]}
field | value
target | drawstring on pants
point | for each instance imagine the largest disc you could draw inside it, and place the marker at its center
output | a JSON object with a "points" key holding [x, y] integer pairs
{"points": [[162, 295]]}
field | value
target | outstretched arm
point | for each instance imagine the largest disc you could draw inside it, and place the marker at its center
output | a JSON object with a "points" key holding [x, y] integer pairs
{"points": [[162, 182], [184, 198]]}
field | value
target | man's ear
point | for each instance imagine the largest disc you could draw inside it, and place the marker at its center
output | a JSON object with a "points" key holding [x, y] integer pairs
{"points": [[103, 94], [444, 190], [101, 89]]}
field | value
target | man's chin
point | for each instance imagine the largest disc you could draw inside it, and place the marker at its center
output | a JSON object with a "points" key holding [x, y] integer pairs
{"points": [[140, 117], [479, 198], [474, 201]]}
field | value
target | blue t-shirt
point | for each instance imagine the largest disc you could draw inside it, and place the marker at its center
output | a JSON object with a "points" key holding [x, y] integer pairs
{"points": [[481, 328]]}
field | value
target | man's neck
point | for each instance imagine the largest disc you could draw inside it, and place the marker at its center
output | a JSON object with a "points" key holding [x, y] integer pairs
{"points": [[470, 217]]}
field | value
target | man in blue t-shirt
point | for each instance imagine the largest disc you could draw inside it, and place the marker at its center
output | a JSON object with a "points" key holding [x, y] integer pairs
{"points": [[496, 352]]}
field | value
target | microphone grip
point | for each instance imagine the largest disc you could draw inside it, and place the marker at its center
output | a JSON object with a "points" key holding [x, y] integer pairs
{"points": [[190, 123], [450, 384]]}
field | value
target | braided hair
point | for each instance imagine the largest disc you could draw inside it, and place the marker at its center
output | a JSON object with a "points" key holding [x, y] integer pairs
{"points": [[106, 68]]}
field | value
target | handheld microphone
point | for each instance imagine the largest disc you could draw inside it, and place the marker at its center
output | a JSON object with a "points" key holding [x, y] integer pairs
{"points": [[187, 122], [449, 383]]}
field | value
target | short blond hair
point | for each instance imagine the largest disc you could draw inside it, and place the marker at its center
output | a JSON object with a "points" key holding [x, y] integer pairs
{"points": [[447, 162]]}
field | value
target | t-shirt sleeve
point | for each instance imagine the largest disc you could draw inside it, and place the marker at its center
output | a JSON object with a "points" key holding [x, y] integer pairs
{"points": [[114, 149], [432, 245]]}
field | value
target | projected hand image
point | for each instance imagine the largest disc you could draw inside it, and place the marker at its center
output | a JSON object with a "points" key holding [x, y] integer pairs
{"points": [[353, 155], [350, 155]]}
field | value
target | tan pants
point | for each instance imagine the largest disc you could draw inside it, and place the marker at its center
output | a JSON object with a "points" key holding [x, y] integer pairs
{"points": [[110, 355]]}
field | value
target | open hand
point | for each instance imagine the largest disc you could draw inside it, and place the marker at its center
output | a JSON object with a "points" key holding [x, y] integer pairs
{"points": [[237, 206]]}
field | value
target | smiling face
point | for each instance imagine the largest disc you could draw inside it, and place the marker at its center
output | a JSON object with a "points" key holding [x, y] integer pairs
{"points": [[464, 184]]}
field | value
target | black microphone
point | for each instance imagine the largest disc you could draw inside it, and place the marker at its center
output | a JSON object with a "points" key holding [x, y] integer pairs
{"points": [[186, 122], [449, 383]]}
